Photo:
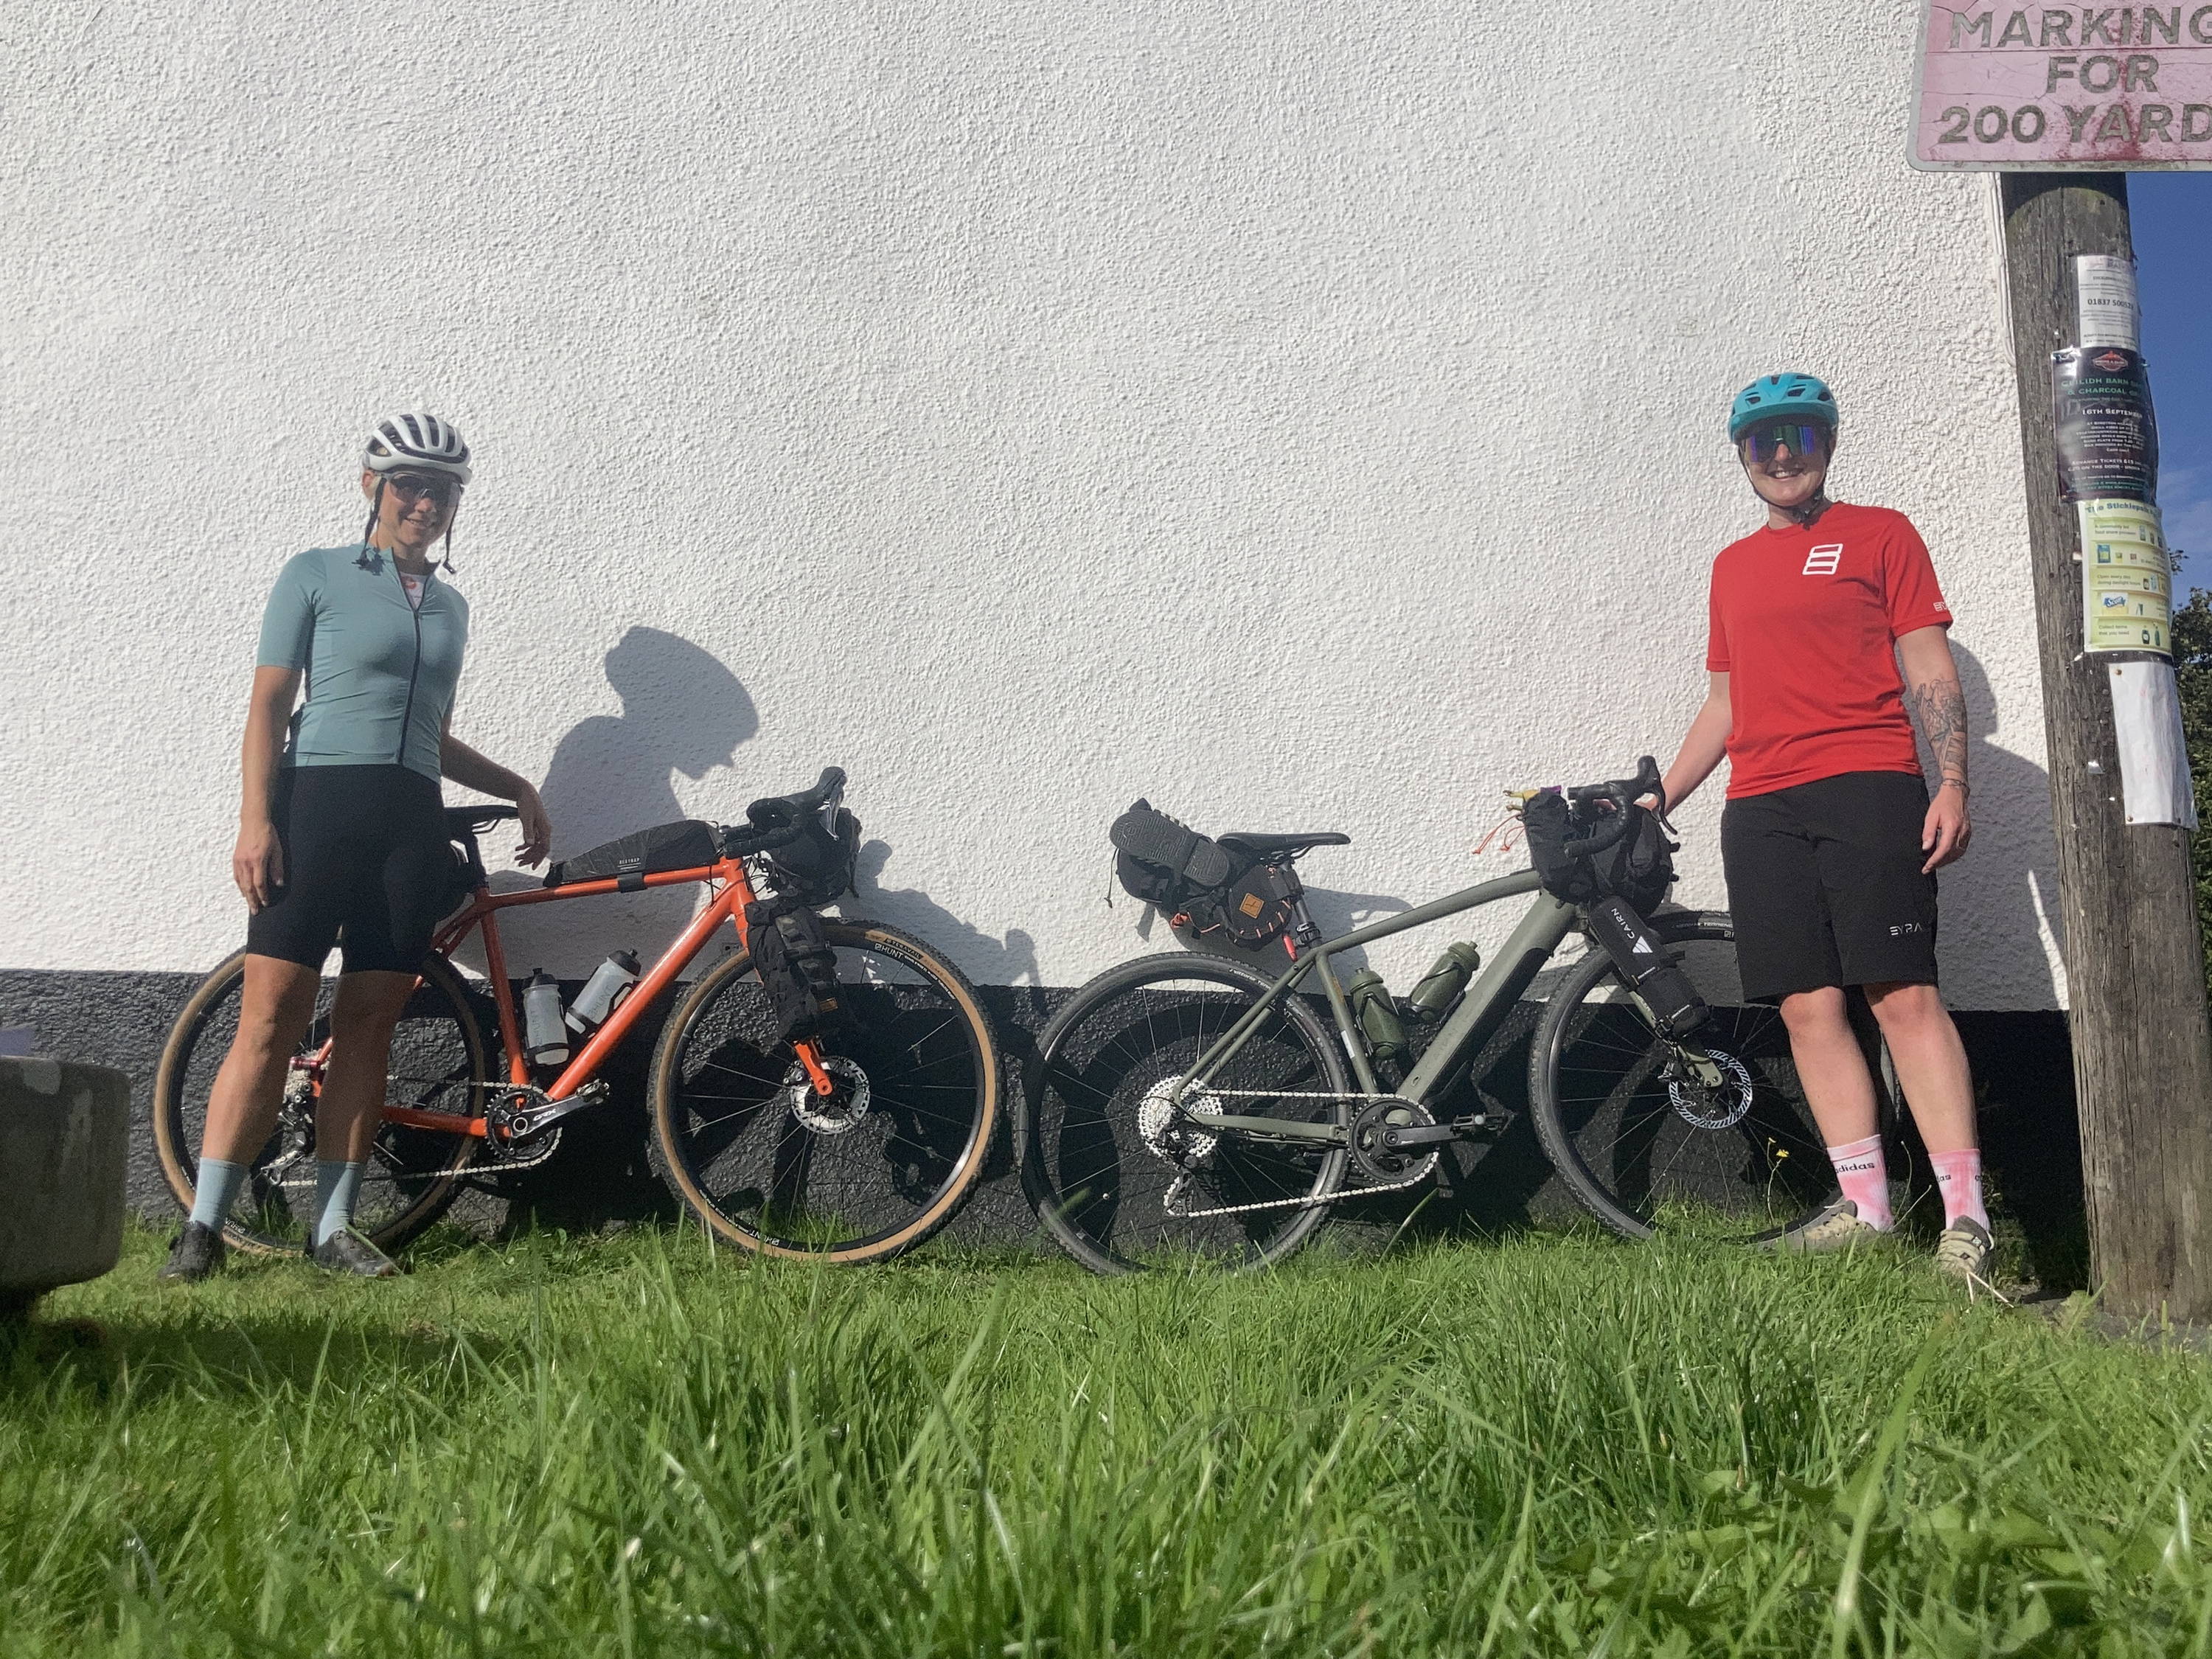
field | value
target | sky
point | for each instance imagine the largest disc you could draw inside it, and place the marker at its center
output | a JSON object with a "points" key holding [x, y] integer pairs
{"points": [[2172, 222]]}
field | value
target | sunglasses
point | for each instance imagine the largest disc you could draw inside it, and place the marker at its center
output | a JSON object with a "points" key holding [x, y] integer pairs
{"points": [[417, 486], [1763, 443]]}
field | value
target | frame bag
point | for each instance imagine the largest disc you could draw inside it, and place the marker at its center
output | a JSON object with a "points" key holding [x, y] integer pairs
{"points": [[687, 844], [792, 955]]}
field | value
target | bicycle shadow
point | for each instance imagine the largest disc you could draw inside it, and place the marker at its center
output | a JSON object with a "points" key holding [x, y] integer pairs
{"points": [[984, 958]]}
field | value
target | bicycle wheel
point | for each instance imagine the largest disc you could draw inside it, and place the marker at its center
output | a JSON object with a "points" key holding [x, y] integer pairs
{"points": [[870, 1171], [1642, 1148], [437, 1064], [1118, 1181]]}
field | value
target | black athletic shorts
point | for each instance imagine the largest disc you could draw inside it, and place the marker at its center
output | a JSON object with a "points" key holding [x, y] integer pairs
{"points": [[367, 865], [1825, 885]]}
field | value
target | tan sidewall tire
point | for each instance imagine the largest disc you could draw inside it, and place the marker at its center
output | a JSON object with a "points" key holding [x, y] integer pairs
{"points": [[850, 933], [168, 1125]]}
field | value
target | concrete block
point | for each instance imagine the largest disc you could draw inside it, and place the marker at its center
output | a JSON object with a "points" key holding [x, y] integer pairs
{"points": [[64, 1140]]}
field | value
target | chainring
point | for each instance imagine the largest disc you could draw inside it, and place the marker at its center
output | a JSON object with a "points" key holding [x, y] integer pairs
{"points": [[1384, 1164], [1703, 1106], [836, 1114], [1167, 1132]]}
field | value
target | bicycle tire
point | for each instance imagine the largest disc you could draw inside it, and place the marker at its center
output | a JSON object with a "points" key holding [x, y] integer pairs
{"points": [[743, 1162], [410, 1173], [1100, 1186], [1622, 1145]]}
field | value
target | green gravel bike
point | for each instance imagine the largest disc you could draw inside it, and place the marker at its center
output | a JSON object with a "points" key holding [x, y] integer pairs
{"points": [[1192, 1108]]}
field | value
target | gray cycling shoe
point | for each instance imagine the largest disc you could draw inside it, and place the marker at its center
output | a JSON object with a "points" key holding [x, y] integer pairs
{"points": [[1964, 1252], [198, 1253], [346, 1251], [1837, 1227]]}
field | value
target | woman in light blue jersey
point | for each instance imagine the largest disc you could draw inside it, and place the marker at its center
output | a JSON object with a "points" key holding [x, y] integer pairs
{"points": [[342, 837]]}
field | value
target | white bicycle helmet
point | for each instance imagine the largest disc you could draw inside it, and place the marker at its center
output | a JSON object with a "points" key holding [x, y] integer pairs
{"points": [[421, 443]]}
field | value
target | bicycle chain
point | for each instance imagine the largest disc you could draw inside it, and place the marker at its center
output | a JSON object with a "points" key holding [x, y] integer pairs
{"points": [[1175, 1187]]}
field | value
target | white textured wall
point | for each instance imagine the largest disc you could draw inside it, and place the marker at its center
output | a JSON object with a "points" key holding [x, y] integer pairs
{"points": [[1304, 414]]}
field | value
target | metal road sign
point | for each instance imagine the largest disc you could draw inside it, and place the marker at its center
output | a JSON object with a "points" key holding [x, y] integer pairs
{"points": [[2049, 88]]}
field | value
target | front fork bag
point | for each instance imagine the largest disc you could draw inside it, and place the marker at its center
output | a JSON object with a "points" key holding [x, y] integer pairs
{"points": [[1652, 971]]}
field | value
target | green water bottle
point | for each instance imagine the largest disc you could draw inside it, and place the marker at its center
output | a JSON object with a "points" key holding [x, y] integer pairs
{"points": [[1440, 987], [1377, 1016]]}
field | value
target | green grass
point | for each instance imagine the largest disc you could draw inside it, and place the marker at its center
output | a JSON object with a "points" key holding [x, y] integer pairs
{"points": [[1551, 1445]]}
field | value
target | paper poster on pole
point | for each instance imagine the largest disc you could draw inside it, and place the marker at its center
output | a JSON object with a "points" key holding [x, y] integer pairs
{"points": [[2154, 786], [2105, 310], [2107, 433], [2127, 577]]}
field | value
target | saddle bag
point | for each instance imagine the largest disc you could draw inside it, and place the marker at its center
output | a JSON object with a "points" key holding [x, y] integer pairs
{"points": [[1255, 908], [1165, 863], [1639, 866], [684, 845], [792, 954], [817, 867]]}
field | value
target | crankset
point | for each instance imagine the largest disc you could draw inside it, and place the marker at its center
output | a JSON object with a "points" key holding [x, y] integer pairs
{"points": [[1396, 1142]]}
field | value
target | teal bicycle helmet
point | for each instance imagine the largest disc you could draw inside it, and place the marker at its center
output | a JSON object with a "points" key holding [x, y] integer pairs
{"points": [[1781, 397]]}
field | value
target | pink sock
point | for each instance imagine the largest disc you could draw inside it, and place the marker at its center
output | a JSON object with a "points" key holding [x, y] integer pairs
{"points": [[1959, 1178], [1864, 1177]]}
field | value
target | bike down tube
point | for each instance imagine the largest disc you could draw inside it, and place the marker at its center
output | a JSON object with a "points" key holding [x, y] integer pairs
{"points": [[1538, 934], [1492, 998], [727, 903]]}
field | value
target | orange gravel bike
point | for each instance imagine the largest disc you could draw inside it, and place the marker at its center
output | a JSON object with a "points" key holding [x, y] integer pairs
{"points": [[850, 1146]]}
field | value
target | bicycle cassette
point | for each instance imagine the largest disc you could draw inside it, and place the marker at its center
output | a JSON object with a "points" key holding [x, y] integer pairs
{"points": [[1371, 1152], [1166, 1132]]}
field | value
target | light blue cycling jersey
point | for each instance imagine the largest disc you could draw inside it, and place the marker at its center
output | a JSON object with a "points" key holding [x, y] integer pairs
{"points": [[380, 671]]}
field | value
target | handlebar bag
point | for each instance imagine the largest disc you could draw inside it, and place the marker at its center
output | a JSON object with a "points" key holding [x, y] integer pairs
{"points": [[684, 845], [790, 953], [817, 867], [1639, 866]]}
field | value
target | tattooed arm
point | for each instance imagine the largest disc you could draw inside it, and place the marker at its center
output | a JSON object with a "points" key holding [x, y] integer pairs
{"points": [[1931, 686]]}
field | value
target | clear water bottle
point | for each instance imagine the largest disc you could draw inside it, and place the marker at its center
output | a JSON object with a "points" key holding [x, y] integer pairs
{"points": [[544, 1033], [603, 991]]}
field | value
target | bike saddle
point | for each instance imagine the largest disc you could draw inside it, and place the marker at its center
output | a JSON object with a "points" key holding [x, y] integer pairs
{"points": [[473, 820], [1266, 847]]}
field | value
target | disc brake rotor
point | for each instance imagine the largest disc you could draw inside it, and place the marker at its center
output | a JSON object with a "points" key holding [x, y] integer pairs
{"points": [[1704, 1107], [836, 1112], [1167, 1132], [1381, 1163]]}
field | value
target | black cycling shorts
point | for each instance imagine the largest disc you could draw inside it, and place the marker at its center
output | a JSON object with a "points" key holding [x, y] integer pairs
{"points": [[1825, 885], [367, 865]]}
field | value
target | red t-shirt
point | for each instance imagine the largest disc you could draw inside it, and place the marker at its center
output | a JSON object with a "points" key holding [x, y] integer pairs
{"points": [[1804, 621]]}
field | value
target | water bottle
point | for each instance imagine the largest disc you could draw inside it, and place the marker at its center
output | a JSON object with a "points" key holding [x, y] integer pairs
{"points": [[543, 1035], [603, 991], [1440, 987], [1377, 1016]]}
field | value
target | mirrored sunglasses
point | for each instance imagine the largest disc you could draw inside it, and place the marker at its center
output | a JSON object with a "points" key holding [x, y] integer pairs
{"points": [[416, 486], [1763, 443]]}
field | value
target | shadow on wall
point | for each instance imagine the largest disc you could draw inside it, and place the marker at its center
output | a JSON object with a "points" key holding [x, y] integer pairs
{"points": [[2000, 893], [612, 774], [1010, 961]]}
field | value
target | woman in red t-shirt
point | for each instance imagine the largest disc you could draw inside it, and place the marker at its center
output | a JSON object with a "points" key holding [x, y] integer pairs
{"points": [[1829, 838]]}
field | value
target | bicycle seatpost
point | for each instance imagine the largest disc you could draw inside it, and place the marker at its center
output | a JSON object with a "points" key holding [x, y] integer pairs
{"points": [[1303, 928]]}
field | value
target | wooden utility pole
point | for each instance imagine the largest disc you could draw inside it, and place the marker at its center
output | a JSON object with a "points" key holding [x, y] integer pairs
{"points": [[2142, 1050]]}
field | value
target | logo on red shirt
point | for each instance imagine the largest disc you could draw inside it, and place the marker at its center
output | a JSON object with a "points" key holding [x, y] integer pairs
{"points": [[1821, 560]]}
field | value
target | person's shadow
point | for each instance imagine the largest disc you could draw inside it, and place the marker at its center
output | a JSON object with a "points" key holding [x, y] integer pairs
{"points": [[1998, 898], [613, 774]]}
